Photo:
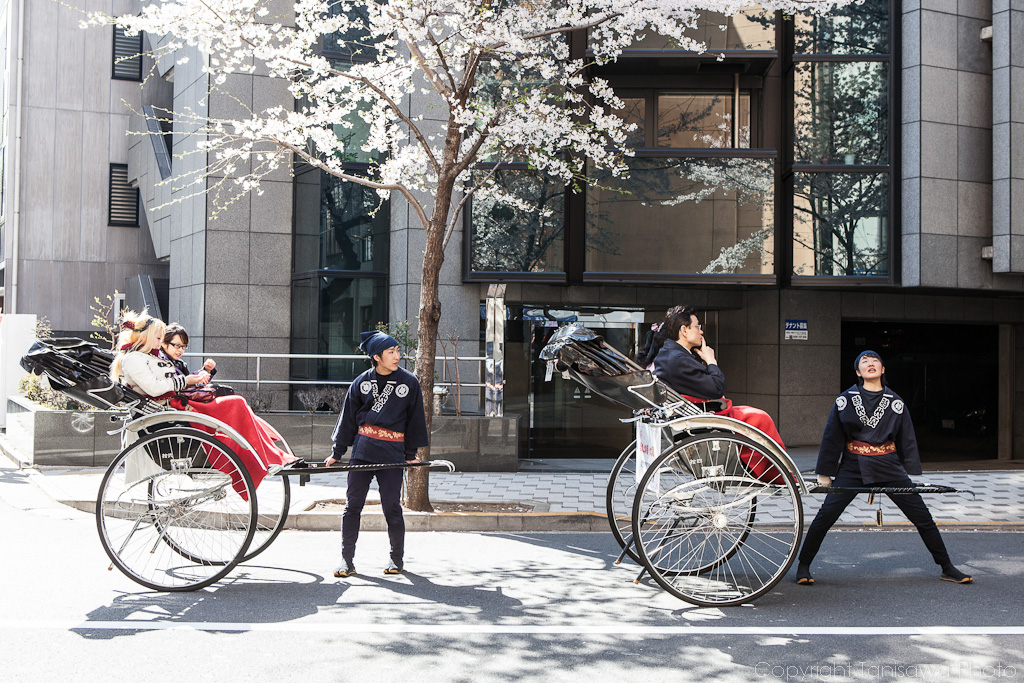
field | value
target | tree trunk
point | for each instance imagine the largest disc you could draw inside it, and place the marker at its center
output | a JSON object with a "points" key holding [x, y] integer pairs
{"points": [[417, 492]]}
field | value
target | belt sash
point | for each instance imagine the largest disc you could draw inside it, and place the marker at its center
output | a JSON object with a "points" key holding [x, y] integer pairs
{"points": [[864, 448], [381, 434]]}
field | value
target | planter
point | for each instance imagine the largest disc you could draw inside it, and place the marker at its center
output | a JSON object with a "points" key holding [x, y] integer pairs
{"points": [[70, 437], [476, 443], [61, 437]]}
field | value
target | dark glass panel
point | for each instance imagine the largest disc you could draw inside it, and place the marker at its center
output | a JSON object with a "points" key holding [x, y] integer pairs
{"points": [[841, 113], [751, 28], [355, 43], [354, 226], [683, 216], [634, 111], [701, 120], [841, 224], [854, 29], [306, 241], [328, 313], [520, 239]]}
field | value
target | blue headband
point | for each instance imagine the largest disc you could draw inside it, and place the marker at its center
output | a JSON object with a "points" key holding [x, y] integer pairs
{"points": [[376, 342], [869, 353]]}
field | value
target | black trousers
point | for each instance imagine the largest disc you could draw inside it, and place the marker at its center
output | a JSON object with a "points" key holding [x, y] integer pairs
{"points": [[912, 505], [389, 482]]}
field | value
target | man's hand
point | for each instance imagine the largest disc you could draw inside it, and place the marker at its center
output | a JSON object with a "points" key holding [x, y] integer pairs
{"points": [[824, 480], [414, 460], [330, 461], [706, 353], [209, 365]]}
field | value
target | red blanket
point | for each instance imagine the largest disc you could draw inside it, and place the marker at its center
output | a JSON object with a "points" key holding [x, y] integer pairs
{"points": [[234, 411]]}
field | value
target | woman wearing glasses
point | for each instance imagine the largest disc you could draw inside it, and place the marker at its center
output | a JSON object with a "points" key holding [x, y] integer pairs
{"points": [[175, 344], [140, 365]]}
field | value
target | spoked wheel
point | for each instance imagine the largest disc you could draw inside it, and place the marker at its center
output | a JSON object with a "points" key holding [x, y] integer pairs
{"points": [[619, 494], [273, 498], [176, 510], [708, 529]]}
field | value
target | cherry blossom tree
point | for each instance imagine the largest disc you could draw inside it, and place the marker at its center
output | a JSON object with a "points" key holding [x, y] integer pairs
{"points": [[504, 82]]}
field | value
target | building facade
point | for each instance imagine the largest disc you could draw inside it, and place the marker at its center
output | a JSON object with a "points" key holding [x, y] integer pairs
{"points": [[814, 186]]}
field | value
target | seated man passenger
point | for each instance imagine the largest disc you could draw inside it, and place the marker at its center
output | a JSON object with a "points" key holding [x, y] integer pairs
{"points": [[687, 364], [138, 365]]}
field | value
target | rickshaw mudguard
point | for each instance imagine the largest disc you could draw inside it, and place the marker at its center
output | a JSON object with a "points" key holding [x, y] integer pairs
{"points": [[731, 424], [152, 419]]}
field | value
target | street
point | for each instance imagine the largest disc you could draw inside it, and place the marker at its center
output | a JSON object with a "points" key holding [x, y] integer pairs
{"points": [[496, 607]]}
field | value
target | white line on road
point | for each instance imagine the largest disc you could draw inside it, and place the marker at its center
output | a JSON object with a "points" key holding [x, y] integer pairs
{"points": [[470, 629]]}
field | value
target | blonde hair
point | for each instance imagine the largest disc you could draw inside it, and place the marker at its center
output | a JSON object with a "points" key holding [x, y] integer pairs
{"points": [[139, 332]]}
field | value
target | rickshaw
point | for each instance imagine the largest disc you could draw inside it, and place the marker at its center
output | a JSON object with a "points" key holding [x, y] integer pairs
{"points": [[708, 505], [177, 509]]}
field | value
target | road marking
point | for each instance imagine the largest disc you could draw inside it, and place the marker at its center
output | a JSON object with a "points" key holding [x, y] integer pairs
{"points": [[525, 629]]}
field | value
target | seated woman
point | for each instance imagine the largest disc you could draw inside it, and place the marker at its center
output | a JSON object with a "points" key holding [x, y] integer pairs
{"points": [[139, 366], [688, 365], [175, 344]]}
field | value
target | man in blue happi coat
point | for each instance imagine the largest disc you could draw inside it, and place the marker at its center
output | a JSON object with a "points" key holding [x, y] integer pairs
{"points": [[383, 421]]}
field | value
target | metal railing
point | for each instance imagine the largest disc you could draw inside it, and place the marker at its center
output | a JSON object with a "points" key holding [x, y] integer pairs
{"points": [[259, 381]]}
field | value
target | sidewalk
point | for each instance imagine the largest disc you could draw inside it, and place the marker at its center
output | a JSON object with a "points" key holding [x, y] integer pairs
{"points": [[569, 495]]}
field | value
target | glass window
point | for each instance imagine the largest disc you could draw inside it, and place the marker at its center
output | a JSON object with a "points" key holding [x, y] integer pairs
{"points": [[854, 29], [328, 313], [751, 28], [683, 216], [354, 44], [840, 224], [634, 111], [339, 225], [528, 238], [702, 120], [841, 113]]}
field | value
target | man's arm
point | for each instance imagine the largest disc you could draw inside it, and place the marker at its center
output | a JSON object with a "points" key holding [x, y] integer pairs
{"points": [[416, 435]]}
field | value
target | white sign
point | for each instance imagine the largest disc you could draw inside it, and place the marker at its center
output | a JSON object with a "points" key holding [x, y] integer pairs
{"points": [[796, 329], [648, 448]]}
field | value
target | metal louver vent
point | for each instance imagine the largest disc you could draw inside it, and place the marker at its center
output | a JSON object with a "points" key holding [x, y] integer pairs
{"points": [[124, 199], [127, 56]]}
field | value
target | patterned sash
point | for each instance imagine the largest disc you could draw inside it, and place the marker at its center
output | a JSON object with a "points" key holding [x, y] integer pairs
{"points": [[381, 434], [864, 448]]}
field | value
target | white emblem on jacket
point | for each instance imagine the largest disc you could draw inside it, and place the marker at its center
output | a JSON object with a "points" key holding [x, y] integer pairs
{"points": [[366, 387], [897, 407], [841, 402], [402, 390]]}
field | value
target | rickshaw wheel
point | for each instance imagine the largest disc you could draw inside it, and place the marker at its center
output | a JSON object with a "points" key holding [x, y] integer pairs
{"points": [[273, 498], [176, 510], [708, 529], [619, 493]]}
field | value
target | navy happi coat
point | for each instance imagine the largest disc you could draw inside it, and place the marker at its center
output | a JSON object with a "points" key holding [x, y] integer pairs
{"points": [[397, 407], [850, 420]]}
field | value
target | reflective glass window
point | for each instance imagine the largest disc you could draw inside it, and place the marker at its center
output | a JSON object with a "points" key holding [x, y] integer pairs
{"points": [[840, 224], [751, 28], [528, 237], [683, 216], [854, 29], [702, 120], [328, 313], [841, 113], [634, 112], [339, 225]]}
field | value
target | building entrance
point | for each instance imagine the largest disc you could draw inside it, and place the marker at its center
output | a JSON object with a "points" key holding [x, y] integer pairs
{"points": [[952, 394], [562, 418]]}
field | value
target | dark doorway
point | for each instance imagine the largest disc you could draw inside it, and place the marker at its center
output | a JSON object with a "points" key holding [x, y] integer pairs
{"points": [[952, 392], [562, 418]]}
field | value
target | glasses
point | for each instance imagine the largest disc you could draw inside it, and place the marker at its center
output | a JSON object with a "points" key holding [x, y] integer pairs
{"points": [[183, 347], [695, 326]]}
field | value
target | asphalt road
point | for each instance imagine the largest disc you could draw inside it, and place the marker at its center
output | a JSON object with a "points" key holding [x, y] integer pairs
{"points": [[496, 607]]}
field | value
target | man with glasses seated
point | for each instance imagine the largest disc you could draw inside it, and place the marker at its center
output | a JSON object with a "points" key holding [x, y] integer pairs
{"points": [[687, 364]]}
